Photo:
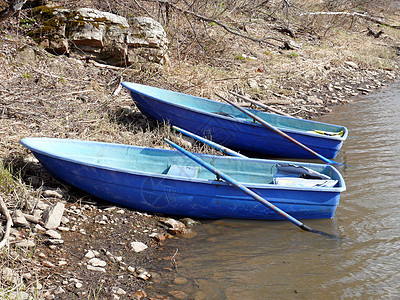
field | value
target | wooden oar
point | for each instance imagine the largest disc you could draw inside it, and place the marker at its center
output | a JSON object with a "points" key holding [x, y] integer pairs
{"points": [[245, 190], [224, 149], [261, 105], [278, 131]]}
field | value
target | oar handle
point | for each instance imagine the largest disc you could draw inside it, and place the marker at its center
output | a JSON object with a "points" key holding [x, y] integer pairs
{"points": [[210, 143], [238, 185]]}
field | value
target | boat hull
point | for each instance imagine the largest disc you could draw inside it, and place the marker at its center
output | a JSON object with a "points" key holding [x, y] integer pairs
{"points": [[210, 199], [234, 133]]}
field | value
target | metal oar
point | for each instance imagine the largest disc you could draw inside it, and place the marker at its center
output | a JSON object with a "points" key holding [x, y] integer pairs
{"points": [[245, 190], [278, 131], [224, 149]]}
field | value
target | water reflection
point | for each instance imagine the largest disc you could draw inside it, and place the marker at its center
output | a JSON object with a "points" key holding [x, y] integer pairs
{"points": [[259, 260]]}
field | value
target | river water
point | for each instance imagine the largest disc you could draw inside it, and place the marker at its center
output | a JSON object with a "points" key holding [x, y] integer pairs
{"points": [[237, 259]]}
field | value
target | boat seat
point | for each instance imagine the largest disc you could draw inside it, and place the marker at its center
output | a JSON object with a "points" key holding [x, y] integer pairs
{"points": [[183, 171], [299, 176]]}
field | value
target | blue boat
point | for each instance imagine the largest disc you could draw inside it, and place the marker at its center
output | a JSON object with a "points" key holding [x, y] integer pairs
{"points": [[230, 127], [167, 182]]}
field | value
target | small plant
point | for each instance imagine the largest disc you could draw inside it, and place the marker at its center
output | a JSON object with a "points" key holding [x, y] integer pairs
{"points": [[26, 75], [294, 54], [240, 57], [27, 22], [7, 183]]}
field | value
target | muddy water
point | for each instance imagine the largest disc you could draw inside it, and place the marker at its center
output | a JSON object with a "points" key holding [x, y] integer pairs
{"points": [[275, 260]]}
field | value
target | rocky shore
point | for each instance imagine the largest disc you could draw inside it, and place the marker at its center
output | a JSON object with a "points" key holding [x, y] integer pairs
{"points": [[65, 244]]}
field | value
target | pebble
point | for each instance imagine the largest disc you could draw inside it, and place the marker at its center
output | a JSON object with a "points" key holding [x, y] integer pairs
{"points": [[52, 216], [95, 262], [178, 294], [26, 244], [9, 276], [138, 246], [62, 263], [180, 280], [54, 234], [90, 254], [59, 290], [19, 219], [78, 285], [119, 291], [99, 269], [49, 264]]}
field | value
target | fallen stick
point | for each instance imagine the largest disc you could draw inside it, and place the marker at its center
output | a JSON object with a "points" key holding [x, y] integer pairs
{"points": [[9, 224], [277, 111]]}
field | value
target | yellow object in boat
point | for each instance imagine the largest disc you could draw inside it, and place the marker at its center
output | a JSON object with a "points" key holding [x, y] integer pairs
{"points": [[340, 133]]}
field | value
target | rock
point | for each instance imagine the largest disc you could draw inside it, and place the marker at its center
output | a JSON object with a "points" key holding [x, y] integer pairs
{"points": [[53, 193], [253, 84], [200, 295], [138, 246], [95, 262], [291, 45], [26, 244], [90, 254], [78, 285], [32, 218], [178, 294], [158, 236], [140, 294], [39, 228], [19, 219], [62, 263], [27, 54], [315, 100], [351, 64], [59, 290], [55, 241], [180, 280], [9, 276], [27, 276], [49, 264], [175, 227], [190, 222], [99, 269], [119, 291], [54, 234], [100, 35], [142, 274], [41, 205], [20, 295], [52, 216]]}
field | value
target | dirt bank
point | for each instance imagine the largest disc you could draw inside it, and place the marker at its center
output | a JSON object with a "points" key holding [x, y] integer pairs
{"points": [[56, 96]]}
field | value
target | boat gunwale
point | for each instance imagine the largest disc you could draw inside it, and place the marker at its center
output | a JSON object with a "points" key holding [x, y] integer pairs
{"points": [[313, 134], [339, 189]]}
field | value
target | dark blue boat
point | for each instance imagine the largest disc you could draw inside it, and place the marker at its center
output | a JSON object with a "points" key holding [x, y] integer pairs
{"points": [[165, 181], [227, 126]]}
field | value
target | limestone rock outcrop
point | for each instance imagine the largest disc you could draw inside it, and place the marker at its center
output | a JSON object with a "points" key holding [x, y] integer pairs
{"points": [[106, 37]]}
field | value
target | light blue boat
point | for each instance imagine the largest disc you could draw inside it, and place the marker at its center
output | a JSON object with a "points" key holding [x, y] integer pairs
{"points": [[230, 127], [167, 182]]}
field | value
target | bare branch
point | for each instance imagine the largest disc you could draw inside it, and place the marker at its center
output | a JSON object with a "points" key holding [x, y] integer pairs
{"points": [[221, 24], [14, 6], [6, 213], [354, 14]]}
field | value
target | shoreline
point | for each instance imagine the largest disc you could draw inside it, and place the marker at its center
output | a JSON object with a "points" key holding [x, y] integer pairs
{"points": [[91, 253]]}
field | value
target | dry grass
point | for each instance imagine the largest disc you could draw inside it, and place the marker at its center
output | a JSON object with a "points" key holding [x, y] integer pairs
{"points": [[68, 98]]}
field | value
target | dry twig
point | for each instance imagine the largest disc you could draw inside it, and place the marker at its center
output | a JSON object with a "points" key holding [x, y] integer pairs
{"points": [[354, 14], [221, 24], [9, 224]]}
